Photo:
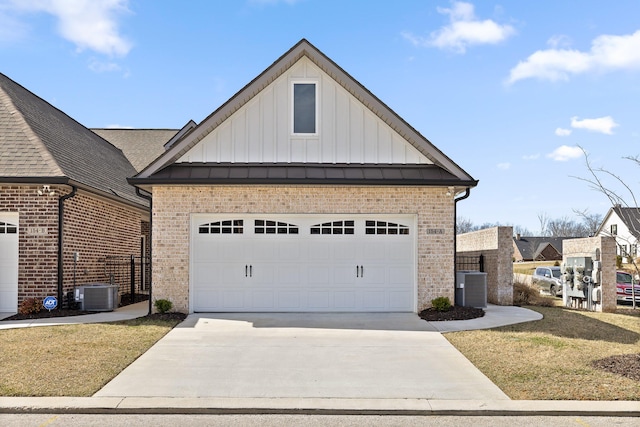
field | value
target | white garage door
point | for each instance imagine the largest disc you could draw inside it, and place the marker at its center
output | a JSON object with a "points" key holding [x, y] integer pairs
{"points": [[302, 263], [8, 262]]}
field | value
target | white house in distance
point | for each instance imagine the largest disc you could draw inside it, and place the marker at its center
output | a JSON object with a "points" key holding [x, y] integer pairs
{"points": [[622, 223], [303, 192]]}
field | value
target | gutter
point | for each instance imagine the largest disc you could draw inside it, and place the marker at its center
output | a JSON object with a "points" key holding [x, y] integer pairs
{"points": [[455, 235], [150, 199], [61, 200]]}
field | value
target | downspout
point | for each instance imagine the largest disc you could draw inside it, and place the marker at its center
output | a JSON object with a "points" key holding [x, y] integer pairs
{"points": [[455, 234], [150, 199], [61, 200]]}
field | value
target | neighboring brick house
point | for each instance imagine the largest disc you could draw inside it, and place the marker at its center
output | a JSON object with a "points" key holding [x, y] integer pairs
{"points": [[303, 192], [538, 248], [63, 190], [623, 224]]}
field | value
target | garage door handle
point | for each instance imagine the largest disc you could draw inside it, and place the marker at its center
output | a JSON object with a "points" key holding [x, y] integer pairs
{"points": [[246, 270], [361, 271], [251, 271]]}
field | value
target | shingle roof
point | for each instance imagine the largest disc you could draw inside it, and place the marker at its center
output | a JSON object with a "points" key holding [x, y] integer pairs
{"points": [[140, 146], [37, 140], [530, 247]]}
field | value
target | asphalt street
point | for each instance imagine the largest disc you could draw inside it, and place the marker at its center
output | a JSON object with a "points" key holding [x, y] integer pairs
{"points": [[77, 420]]}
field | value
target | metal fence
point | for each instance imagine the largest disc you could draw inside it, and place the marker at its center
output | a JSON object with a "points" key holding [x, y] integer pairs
{"points": [[470, 263], [131, 273]]}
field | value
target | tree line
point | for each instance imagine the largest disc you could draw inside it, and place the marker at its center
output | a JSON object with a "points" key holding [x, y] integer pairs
{"points": [[585, 224]]}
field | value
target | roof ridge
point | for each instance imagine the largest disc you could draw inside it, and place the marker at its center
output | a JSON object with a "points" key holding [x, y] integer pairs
{"points": [[17, 116]]}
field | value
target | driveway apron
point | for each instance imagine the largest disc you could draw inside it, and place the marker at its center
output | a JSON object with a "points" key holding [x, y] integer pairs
{"points": [[289, 355]]}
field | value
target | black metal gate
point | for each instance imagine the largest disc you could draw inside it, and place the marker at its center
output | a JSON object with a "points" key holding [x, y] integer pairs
{"points": [[470, 263], [132, 274]]}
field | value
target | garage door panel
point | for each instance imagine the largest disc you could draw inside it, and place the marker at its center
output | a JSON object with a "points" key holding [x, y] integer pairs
{"points": [[400, 300], [337, 267], [233, 299], [263, 299], [319, 275], [319, 300], [374, 300], [374, 275], [290, 275], [345, 300], [345, 275], [289, 300], [399, 276], [8, 262], [208, 299]]}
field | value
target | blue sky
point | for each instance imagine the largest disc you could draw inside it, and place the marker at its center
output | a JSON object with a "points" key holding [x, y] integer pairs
{"points": [[508, 89]]}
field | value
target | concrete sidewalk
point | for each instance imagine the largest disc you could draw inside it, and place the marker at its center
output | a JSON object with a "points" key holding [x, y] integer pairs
{"points": [[316, 406], [127, 312]]}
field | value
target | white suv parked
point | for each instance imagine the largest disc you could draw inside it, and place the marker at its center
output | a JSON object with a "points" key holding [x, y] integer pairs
{"points": [[548, 279]]}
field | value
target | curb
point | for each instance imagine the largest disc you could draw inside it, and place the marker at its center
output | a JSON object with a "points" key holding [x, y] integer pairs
{"points": [[314, 406]]}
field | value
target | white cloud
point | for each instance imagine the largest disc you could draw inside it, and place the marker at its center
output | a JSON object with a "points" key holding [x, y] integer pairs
{"points": [[464, 30], [602, 125], [531, 157], [607, 53], [89, 24], [102, 67], [565, 153], [563, 132], [504, 166]]}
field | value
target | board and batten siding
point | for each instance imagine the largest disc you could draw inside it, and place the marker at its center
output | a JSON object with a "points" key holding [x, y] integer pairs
{"points": [[261, 130]]}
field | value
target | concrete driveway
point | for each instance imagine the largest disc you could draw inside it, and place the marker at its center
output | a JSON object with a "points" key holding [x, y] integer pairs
{"points": [[282, 355]]}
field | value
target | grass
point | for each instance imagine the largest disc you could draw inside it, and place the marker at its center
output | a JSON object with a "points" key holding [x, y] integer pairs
{"points": [[551, 359], [72, 360], [528, 267]]}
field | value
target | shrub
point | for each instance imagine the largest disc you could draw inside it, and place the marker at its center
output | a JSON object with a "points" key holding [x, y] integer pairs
{"points": [[524, 294], [31, 306], [441, 304], [556, 264], [163, 305], [619, 261]]}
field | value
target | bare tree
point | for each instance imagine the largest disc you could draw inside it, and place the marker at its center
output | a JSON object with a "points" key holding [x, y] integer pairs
{"points": [[591, 221], [464, 225], [543, 219], [624, 197]]}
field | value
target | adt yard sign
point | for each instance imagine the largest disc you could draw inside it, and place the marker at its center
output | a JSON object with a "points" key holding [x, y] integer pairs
{"points": [[50, 303]]}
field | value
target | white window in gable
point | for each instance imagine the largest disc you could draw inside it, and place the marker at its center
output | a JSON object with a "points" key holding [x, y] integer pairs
{"points": [[222, 227], [305, 108]]}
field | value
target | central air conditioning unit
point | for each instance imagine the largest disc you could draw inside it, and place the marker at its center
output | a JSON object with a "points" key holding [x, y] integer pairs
{"points": [[97, 297], [471, 289]]}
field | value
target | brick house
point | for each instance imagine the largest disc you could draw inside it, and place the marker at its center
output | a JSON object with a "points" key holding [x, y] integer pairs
{"points": [[303, 192], [63, 190], [538, 248]]}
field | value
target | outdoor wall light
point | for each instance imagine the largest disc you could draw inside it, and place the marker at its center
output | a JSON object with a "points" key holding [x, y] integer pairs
{"points": [[46, 190]]}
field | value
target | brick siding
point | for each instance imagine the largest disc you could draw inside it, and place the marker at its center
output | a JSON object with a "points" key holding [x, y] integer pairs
{"points": [[94, 227], [172, 207], [496, 244]]}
